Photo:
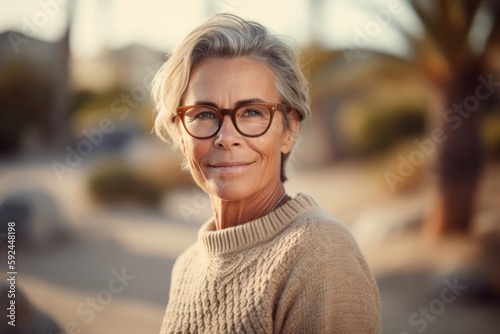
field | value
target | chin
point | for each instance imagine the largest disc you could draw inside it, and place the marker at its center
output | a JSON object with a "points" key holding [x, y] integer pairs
{"points": [[229, 190]]}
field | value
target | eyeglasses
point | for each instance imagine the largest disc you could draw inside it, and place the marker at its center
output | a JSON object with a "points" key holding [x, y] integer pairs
{"points": [[250, 119]]}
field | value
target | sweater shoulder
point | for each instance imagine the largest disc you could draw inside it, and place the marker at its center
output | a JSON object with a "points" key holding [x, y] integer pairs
{"points": [[317, 228], [324, 243], [329, 285], [186, 259]]}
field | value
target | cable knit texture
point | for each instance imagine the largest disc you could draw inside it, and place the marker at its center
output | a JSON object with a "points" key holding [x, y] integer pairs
{"points": [[295, 270]]}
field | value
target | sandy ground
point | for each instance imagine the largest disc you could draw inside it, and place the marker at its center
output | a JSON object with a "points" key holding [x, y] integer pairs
{"points": [[64, 279]]}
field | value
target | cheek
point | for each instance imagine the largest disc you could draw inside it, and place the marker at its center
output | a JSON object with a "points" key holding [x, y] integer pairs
{"points": [[269, 147], [277, 138], [194, 153], [194, 150]]}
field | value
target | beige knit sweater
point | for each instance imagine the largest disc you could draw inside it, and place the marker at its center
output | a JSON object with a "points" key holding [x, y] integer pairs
{"points": [[295, 270]]}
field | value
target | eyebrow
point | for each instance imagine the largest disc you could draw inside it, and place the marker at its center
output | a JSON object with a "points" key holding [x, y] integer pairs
{"points": [[236, 105]]}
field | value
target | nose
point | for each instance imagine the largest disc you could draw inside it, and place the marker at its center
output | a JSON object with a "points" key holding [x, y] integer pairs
{"points": [[227, 136]]}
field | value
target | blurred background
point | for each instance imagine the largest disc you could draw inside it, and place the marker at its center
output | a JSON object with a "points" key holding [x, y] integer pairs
{"points": [[403, 148]]}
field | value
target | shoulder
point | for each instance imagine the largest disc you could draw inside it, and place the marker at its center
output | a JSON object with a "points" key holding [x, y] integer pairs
{"points": [[324, 243], [329, 286], [325, 246], [186, 260], [318, 229]]}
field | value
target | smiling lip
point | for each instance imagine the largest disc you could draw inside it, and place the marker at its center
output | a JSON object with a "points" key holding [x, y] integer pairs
{"points": [[230, 166]]}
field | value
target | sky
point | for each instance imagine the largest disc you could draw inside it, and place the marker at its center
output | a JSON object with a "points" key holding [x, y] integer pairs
{"points": [[161, 24]]}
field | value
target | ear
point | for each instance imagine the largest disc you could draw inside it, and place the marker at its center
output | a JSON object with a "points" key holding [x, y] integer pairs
{"points": [[290, 135]]}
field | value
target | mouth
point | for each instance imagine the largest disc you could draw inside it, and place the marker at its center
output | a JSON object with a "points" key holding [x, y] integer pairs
{"points": [[230, 167]]}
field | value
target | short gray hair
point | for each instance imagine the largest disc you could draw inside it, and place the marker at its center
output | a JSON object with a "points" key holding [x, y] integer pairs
{"points": [[228, 36]]}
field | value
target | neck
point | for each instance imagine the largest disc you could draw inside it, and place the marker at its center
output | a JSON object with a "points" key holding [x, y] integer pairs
{"points": [[233, 213]]}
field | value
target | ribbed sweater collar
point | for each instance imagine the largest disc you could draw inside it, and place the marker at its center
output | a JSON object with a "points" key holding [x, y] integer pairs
{"points": [[255, 232]]}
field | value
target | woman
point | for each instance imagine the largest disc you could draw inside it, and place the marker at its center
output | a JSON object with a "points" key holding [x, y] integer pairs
{"points": [[232, 96]]}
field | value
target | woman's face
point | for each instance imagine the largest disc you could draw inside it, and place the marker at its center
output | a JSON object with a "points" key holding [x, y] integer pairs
{"points": [[229, 165]]}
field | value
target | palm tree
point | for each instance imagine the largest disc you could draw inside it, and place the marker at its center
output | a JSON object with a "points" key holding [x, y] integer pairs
{"points": [[459, 36], [452, 53]]}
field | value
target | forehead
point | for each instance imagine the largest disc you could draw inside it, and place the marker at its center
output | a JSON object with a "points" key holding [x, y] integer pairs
{"points": [[227, 81]]}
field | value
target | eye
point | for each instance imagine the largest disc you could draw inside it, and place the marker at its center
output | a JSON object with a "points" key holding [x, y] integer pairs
{"points": [[205, 115], [201, 114], [252, 112]]}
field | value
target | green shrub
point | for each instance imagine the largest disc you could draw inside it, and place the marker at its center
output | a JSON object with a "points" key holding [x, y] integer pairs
{"points": [[116, 183], [374, 130]]}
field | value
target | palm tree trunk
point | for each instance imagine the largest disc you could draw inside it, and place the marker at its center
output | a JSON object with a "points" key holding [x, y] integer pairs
{"points": [[460, 158]]}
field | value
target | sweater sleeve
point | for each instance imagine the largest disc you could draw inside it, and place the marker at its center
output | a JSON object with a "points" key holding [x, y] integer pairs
{"points": [[332, 289]]}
